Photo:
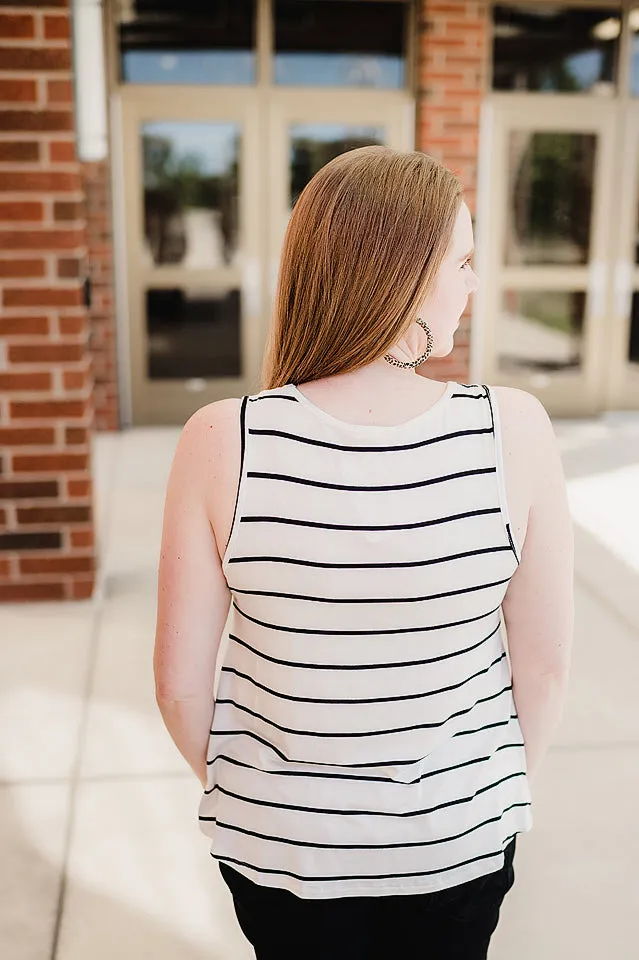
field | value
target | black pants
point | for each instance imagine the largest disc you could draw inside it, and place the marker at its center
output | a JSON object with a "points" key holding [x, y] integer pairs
{"points": [[452, 924]]}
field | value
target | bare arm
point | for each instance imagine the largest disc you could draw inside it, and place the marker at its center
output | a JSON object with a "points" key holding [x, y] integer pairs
{"points": [[193, 596], [538, 607]]}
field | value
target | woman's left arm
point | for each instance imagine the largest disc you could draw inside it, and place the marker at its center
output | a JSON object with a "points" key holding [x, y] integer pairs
{"points": [[193, 596]]}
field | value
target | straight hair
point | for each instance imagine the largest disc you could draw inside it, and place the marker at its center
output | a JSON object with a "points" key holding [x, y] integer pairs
{"points": [[363, 246]]}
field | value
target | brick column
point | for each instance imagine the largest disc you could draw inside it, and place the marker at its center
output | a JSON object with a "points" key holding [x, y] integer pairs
{"points": [[46, 517], [453, 61], [102, 320]]}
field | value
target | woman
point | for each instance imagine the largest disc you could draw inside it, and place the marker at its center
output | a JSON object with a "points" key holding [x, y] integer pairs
{"points": [[368, 764]]}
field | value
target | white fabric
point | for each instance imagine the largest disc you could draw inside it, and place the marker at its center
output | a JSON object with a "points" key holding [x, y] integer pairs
{"points": [[365, 739]]}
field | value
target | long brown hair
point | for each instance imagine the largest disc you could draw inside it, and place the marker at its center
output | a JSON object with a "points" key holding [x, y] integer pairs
{"points": [[362, 248]]}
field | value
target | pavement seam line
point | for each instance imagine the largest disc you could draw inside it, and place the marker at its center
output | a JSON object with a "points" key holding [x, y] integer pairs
{"points": [[74, 778]]}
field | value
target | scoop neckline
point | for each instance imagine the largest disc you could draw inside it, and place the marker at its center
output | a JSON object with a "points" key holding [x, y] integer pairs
{"points": [[373, 428]]}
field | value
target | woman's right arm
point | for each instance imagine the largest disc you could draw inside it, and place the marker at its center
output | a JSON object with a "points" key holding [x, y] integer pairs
{"points": [[538, 607]]}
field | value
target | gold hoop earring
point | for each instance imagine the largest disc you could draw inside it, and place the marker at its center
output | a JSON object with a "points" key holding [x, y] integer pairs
{"points": [[406, 364]]}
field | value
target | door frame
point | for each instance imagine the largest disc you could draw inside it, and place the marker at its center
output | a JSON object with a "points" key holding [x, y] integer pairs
{"points": [[392, 110], [268, 100], [622, 387], [159, 401], [569, 393], [265, 115]]}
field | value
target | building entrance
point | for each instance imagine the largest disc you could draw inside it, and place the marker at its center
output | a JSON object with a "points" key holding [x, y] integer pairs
{"points": [[210, 175], [559, 209]]}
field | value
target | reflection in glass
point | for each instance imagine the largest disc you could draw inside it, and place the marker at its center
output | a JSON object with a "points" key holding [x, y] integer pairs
{"points": [[633, 24], [633, 344], [189, 41], [190, 193], [555, 49], [192, 333], [541, 330], [549, 197], [188, 66], [314, 144], [322, 44]]}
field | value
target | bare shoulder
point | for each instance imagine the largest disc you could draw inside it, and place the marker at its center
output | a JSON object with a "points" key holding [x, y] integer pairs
{"points": [[210, 441], [218, 415], [213, 425], [524, 420], [207, 463], [519, 408], [528, 438]]}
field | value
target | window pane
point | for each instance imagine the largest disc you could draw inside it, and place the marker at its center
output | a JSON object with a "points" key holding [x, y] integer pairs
{"points": [[555, 49], [541, 330], [191, 333], [191, 193], [314, 144], [549, 197], [339, 44], [189, 41]]}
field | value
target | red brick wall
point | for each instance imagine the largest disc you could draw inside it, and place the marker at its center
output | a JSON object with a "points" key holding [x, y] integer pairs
{"points": [[46, 515], [102, 340], [453, 60]]}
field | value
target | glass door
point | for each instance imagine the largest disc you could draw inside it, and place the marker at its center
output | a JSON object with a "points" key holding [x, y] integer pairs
{"points": [[309, 128], [226, 110], [545, 248], [193, 222]]}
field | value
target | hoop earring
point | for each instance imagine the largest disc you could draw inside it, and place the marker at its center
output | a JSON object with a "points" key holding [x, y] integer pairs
{"points": [[406, 364]]}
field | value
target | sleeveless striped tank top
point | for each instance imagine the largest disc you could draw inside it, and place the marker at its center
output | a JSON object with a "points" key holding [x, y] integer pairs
{"points": [[365, 739]]}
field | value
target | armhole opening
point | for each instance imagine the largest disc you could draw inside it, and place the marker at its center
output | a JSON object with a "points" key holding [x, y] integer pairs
{"points": [[499, 463], [240, 484]]}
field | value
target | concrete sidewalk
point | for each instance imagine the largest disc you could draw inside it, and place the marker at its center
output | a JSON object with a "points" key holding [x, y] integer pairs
{"points": [[102, 855]]}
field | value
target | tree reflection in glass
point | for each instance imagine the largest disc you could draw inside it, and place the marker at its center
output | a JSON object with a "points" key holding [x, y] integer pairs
{"points": [[549, 197], [312, 145], [190, 177]]}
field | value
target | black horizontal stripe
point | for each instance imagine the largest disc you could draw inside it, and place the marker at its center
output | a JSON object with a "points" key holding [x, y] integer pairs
{"points": [[409, 696], [287, 478], [251, 736], [368, 846], [392, 814], [429, 596], [486, 726], [469, 396], [362, 633], [320, 774], [361, 666], [360, 449], [274, 396], [376, 876], [373, 566], [370, 765], [355, 735], [317, 525]]}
